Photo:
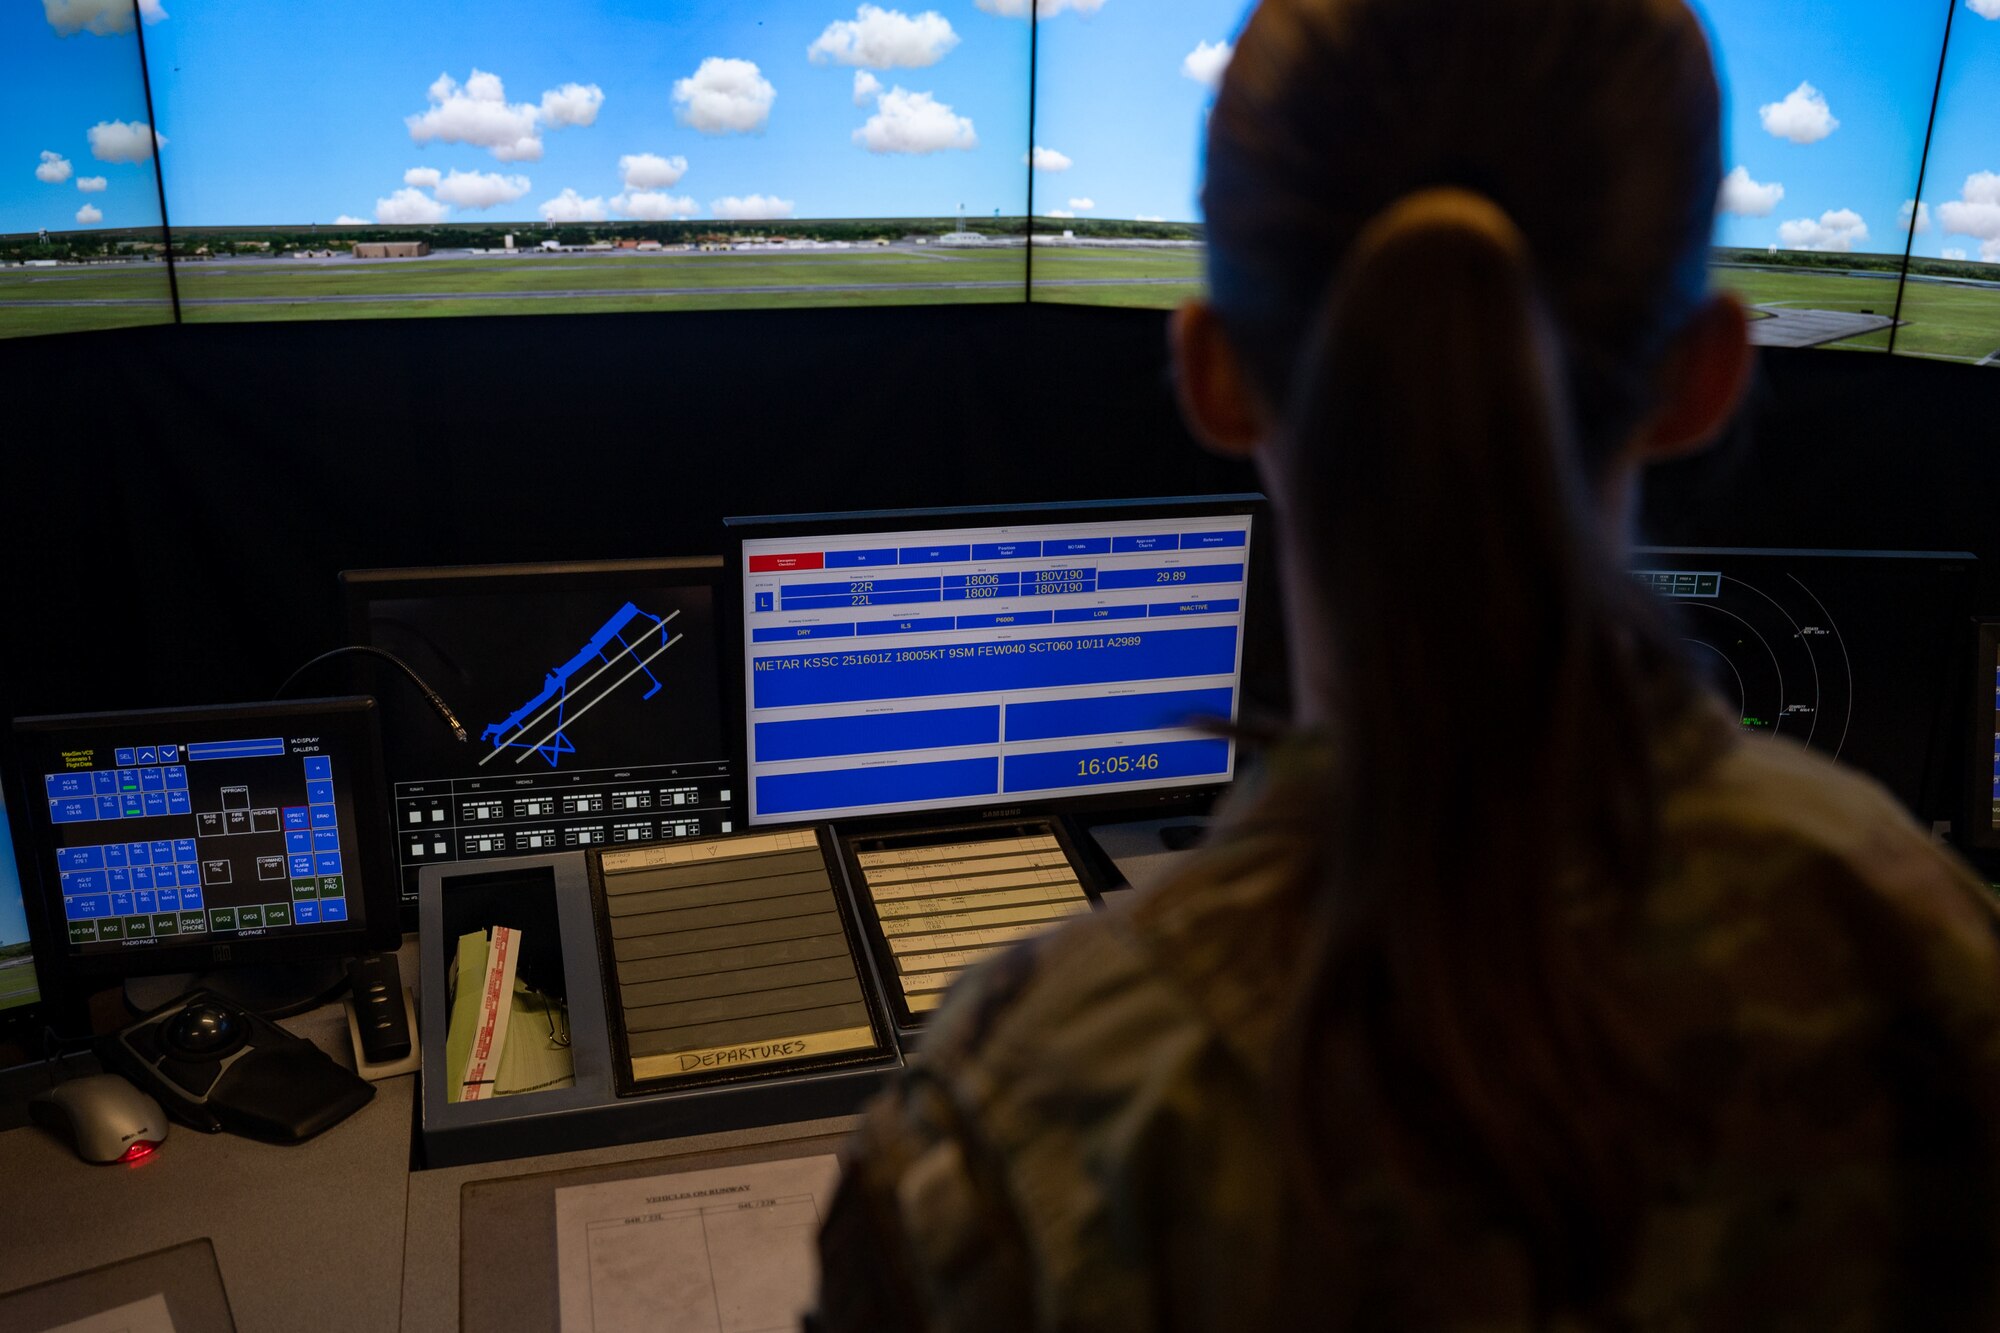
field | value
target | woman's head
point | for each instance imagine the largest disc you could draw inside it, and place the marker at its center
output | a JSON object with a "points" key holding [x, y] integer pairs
{"points": [[1592, 124]]}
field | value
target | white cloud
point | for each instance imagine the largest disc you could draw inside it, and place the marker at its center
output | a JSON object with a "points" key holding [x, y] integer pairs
{"points": [[478, 113], [650, 171], [751, 208], [917, 123], [1048, 159], [1921, 212], [866, 87], [90, 213], [885, 39], [572, 104], [423, 178], [116, 141], [1206, 62], [1954, 253], [653, 206], [93, 184], [348, 220], [1083, 205], [1976, 214], [569, 206], [409, 206], [1058, 213], [102, 18], [1148, 217], [1803, 117], [473, 189], [1986, 9], [1020, 9], [54, 170], [1745, 198], [725, 95], [1838, 230]]}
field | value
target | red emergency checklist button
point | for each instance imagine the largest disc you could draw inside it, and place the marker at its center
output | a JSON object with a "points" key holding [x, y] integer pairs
{"points": [[778, 564]]}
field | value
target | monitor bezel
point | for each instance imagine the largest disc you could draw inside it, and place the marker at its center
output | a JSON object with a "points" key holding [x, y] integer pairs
{"points": [[380, 928], [1260, 585], [362, 588], [1980, 830]]}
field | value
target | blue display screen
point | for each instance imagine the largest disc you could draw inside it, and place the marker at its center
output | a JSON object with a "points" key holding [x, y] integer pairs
{"points": [[897, 671], [160, 837]]}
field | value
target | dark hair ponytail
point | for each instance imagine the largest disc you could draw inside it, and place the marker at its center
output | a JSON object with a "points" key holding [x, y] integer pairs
{"points": [[1452, 241], [1495, 687]]}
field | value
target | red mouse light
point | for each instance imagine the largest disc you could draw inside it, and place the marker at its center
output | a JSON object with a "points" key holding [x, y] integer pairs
{"points": [[139, 1151]]}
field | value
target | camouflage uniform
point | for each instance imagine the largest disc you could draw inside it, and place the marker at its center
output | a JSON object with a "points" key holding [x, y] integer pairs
{"points": [[1089, 1141]]}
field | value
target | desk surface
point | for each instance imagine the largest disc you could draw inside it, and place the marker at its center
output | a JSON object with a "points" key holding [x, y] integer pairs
{"points": [[337, 1233]]}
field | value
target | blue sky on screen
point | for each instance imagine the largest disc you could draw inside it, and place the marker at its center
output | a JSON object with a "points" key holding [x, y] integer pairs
{"points": [[636, 109], [1962, 187], [72, 118], [1827, 108], [1828, 101], [1121, 94], [507, 110]]}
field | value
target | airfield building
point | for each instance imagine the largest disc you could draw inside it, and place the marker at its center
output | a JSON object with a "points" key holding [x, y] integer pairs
{"points": [[391, 249]]}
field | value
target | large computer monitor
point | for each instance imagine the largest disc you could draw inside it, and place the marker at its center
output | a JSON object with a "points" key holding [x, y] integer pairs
{"points": [[591, 695], [177, 841], [1854, 654], [905, 662]]}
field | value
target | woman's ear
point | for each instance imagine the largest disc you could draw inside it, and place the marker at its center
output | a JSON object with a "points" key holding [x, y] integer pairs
{"points": [[1702, 383], [1216, 400]]}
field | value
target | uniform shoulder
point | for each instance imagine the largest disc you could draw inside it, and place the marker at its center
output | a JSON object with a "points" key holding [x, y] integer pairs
{"points": [[1782, 833]]}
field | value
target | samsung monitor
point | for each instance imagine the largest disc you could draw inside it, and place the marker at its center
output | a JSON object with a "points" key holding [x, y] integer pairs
{"points": [[1854, 654], [591, 695], [183, 840], [908, 662]]}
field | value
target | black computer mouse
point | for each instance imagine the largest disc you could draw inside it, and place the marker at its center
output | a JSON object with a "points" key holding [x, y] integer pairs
{"points": [[102, 1117]]}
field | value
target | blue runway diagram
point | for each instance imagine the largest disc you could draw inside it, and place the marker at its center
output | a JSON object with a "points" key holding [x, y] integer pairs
{"points": [[541, 725]]}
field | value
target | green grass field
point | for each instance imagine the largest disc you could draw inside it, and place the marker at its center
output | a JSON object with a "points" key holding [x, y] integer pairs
{"points": [[17, 984], [1957, 322], [1939, 320]]}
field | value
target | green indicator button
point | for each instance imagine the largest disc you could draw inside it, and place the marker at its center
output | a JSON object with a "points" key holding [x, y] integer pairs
{"points": [[305, 888], [278, 914], [138, 927], [222, 918], [111, 928], [333, 886], [249, 918], [82, 932], [167, 923], [193, 923]]}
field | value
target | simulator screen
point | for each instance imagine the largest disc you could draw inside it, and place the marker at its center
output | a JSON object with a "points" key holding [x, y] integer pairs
{"points": [[509, 157], [591, 699], [1828, 102], [81, 246], [1121, 99], [1951, 302]]}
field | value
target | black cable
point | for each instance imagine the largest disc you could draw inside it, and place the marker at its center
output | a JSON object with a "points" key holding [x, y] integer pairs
{"points": [[437, 702]]}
